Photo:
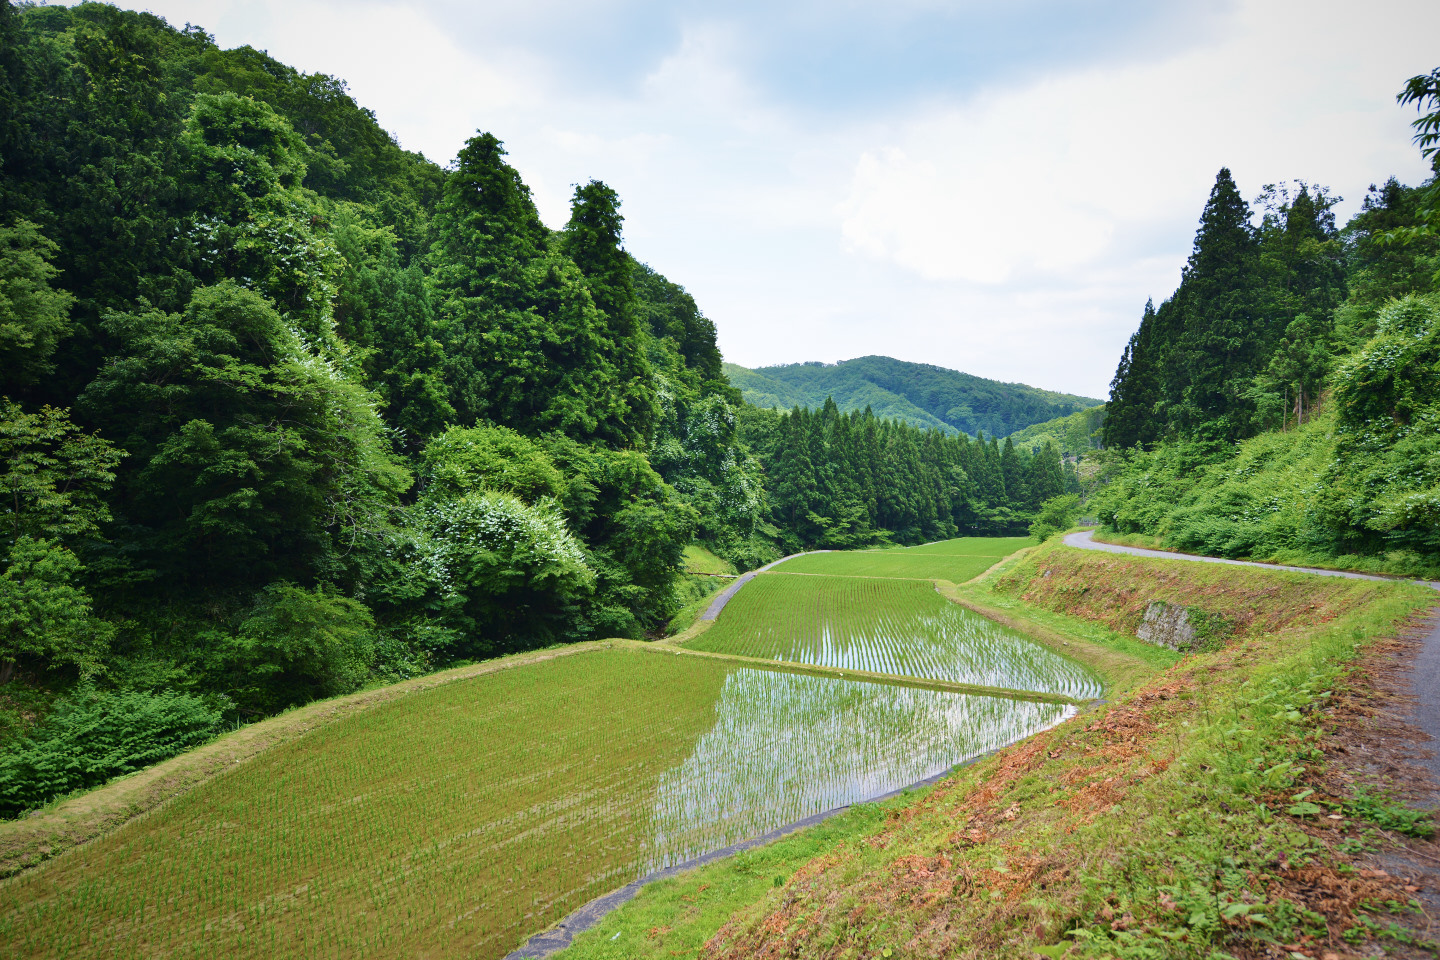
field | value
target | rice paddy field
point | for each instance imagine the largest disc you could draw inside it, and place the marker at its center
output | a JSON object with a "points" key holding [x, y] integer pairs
{"points": [[457, 821], [901, 627], [954, 560]]}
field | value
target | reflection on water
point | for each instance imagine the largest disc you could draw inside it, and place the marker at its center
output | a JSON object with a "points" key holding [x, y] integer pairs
{"points": [[950, 644], [462, 819], [786, 746], [887, 626]]}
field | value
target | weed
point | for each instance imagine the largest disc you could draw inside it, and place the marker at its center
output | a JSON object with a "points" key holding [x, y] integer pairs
{"points": [[1383, 810]]}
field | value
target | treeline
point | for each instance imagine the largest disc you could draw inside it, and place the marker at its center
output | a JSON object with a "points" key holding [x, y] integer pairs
{"points": [[1316, 348], [840, 480], [288, 408]]}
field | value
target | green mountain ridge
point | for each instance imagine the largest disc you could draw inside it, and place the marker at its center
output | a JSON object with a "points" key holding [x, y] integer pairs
{"points": [[920, 394]]}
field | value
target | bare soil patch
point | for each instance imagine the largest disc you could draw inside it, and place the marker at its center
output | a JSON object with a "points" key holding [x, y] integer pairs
{"points": [[1372, 740]]}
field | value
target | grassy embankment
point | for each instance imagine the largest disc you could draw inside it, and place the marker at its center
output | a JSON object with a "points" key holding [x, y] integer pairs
{"points": [[1175, 821], [1257, 501]]}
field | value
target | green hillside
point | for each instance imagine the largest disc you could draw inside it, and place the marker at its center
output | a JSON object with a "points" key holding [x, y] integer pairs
{"points": [[918, 393], [1072, 435]]}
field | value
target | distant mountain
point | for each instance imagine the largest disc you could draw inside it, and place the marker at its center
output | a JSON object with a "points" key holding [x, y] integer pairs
{"points": [[918, 393]]}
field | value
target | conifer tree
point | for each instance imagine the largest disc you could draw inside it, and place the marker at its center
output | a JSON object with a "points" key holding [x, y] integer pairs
{"points": [[1221, 338], [1131, 417], [1017, 487], [592, 241], [791, 475], [525, 342]]}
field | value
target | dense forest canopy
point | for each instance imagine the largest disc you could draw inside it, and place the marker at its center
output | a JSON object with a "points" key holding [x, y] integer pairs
{"points": [[286, 409]]}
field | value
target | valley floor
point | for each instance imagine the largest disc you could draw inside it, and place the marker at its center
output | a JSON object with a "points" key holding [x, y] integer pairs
{"points": [[1259, 796], [1256, 799]]}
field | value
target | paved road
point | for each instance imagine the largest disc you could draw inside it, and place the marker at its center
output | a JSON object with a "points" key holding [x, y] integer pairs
{"points": [[1424, 671], [718, 604], [1084, 540]]}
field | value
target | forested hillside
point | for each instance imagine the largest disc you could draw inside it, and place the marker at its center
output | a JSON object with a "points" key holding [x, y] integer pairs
{"points": [[1074, 435], [917, 393], [286, 409], [1283, 403], [838, 480]]}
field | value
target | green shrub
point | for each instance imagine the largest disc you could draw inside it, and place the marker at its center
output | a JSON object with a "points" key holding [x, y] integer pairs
{"points": [[298, 645], [1056, 515], [90, 737]]}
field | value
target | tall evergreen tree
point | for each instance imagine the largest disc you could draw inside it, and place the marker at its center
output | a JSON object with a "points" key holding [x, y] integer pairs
{"points": [[592, 241], [791, 475], [524, 339], [1221, 340], [1017, 487], [1131, 416]]}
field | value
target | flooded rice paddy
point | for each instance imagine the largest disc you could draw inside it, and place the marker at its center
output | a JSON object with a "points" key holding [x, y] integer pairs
{"points": [[886, 626], [460, 820], [785, 746]]}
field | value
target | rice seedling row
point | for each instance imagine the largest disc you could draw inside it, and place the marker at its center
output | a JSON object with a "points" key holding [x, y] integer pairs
{"points": [[458, 821], [898, 627], [954, 560]]}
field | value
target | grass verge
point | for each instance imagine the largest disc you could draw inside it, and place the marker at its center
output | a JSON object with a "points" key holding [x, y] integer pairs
{"points": [[700, 561]]}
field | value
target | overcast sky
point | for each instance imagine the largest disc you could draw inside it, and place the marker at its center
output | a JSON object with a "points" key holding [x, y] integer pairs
{"points": [[995, 187]]}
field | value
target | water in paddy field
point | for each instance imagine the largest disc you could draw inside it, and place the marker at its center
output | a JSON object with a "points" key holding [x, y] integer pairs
{"points": [[952, 644], [786, 746], [460, 820]]}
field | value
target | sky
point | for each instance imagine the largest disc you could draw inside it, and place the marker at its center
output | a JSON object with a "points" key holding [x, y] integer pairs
{"points": [[992, 187]]}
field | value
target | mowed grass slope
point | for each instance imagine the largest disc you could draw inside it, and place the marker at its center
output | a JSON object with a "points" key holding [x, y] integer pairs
{"points": [[901, 627], [954, 560]]}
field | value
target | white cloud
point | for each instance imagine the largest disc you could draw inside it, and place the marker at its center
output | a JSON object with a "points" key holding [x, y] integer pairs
{"points": [[1048, 212]]}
